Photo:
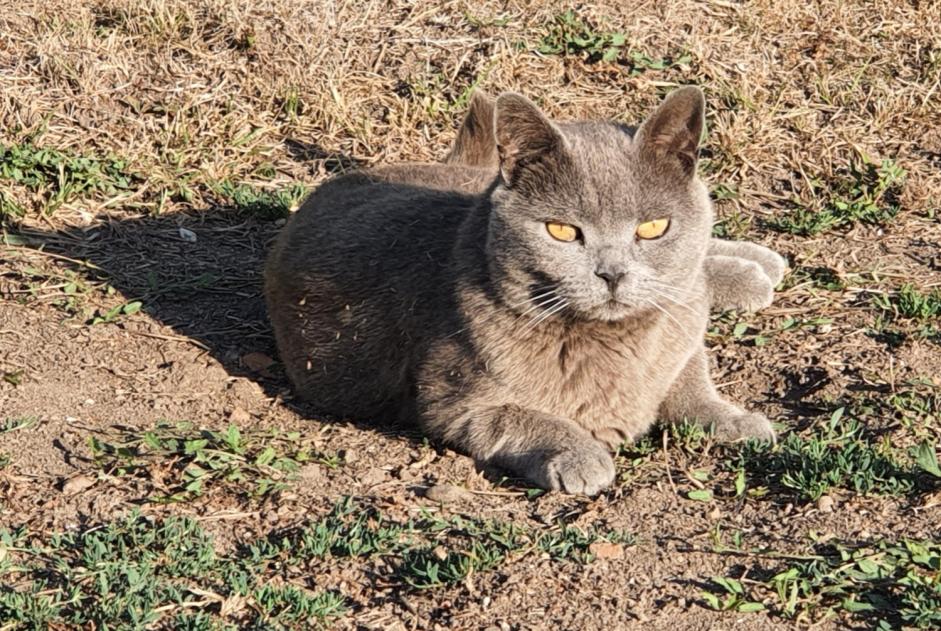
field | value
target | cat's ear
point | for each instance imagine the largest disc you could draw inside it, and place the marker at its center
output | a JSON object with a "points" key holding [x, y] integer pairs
{"points": [[530, 148], [673, 131], [475, 145]]}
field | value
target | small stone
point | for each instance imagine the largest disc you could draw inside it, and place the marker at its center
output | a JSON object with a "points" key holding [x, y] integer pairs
{"points": [[825, 504], [78, 483], [256, 362], [239, 416], [605, 550], [440, 553], [447, 493]]}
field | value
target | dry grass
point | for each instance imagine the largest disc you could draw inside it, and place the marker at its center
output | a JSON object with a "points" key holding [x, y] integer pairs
{"points": [[197, 91]]}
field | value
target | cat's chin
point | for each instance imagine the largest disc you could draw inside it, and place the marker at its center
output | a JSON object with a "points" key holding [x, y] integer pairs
{"points": [[613, 311]]}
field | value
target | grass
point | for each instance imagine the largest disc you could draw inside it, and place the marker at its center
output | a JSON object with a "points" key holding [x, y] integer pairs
{"points": [[59, 176], [138, 572], [569, 34], [839, 455], [181, 461], [882, 585], [908, 302], [867, 193], [264, 204]]}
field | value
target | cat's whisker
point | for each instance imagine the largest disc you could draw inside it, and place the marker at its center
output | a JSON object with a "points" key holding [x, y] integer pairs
{"points": [[548, 304], [523, 302], [679, 326], [545, 315], [678, 303], [679, 291]]}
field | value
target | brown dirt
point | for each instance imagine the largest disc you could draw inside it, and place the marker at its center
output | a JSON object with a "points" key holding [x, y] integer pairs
{"points": [[193, 91]]}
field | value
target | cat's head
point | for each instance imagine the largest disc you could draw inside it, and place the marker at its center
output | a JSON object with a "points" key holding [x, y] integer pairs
{"points": [[605, 221]]}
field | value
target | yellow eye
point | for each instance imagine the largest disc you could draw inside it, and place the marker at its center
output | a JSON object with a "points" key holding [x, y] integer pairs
{"points": [[562, 231], [653, 229]]}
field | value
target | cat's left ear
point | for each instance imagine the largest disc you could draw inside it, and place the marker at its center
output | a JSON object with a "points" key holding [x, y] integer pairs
{"points": [[673, 131], [531, 149]]}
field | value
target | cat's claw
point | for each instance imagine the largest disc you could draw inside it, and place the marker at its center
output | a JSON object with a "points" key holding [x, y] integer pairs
{"points": [[584, 470]]}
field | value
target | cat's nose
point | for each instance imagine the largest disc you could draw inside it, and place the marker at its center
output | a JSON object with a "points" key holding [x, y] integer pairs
{"points": [[612, 278]]}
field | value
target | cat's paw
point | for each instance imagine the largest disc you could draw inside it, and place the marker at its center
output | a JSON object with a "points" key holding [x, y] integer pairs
{"points": [[583, 469], [754, 289], [774, 266], [743, 427]]}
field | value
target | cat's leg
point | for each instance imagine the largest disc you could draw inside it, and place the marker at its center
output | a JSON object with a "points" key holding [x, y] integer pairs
{"points": [[770, 261], [552, 452], [693, 397], [736, 283]]}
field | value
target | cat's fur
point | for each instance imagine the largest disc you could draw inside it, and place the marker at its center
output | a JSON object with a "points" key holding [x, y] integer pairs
{"points": [[392, 291], [739, 274]]}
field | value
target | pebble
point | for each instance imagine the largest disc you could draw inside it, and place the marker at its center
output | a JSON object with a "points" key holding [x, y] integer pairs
{"points": [[825, 504], [77, 484], [447, 493]]}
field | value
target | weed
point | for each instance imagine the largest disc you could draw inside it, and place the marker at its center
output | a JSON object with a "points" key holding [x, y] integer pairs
{"points": [[568, 34], [867, 194], [115, 313], [13, 424], [820, 277], [264, 204], [733, 597], [134, 573], [191, 459], [887, 584], [59, 176], [349, 530], [837, 454], [910, 303]]}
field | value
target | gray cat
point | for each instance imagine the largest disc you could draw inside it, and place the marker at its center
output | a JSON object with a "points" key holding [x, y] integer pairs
{"points": [[535, 325], [739, 274]]}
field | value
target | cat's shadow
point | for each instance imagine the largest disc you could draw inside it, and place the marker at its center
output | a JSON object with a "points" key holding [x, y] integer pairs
{"points": [[200, 273]]}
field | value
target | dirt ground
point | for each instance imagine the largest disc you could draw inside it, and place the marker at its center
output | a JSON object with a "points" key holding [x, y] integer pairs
{"points": [[199, 120]]}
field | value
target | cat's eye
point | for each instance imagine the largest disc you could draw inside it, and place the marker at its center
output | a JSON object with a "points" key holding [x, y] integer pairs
{"points": [[562, 231], [653, 229]]}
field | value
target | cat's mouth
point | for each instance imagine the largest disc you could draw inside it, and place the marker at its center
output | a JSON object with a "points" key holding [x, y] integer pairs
{"points": [[612, 310]]}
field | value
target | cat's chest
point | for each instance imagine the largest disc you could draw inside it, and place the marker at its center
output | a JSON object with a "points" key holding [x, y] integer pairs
{"points": [[609, 382]]}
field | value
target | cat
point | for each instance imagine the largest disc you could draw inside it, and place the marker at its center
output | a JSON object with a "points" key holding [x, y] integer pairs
{"points": [[535, 322], [739, 274]]}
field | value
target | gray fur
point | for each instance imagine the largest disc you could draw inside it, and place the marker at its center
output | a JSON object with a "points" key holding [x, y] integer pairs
{"points": [[413, 291], [739, 275]]}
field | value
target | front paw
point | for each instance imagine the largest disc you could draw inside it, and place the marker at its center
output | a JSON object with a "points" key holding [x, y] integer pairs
{"points": [[754, 291], [775, 266], [585, 469], [744, 426]]}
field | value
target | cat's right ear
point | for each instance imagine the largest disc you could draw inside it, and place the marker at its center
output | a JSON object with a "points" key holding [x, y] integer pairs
{"points": [[530, 148], [672, 133]]}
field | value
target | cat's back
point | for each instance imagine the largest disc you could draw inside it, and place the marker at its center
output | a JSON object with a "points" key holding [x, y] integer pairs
{"points": [[352, 276]]}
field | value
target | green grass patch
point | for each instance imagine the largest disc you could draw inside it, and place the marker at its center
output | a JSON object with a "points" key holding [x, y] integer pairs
{"points": [[137, 573], [884, 585], [182, 461], [838, 454], [463, 546], [908, 302], [569, 34], [868, 193], [262, 203], [59, 176]]}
